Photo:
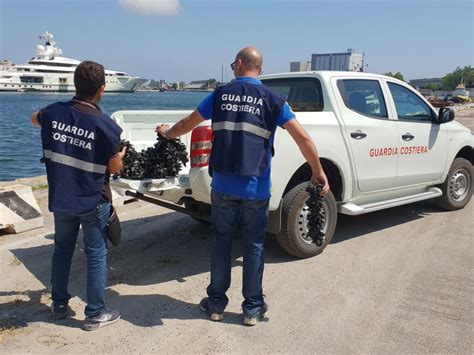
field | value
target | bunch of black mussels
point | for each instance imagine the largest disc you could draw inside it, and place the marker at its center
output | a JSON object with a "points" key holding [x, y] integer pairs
{"points": [[165, 159], [315, 216]]}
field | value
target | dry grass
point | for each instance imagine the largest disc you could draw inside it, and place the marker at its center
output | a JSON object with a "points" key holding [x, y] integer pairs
{"points": [[10, 323], [15, 261], [11, 327], [9, 229], [55, 341], [40, 187]]}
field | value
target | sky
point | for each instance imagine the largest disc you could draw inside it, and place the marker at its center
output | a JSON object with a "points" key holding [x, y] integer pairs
{"points": [[184, 40]]}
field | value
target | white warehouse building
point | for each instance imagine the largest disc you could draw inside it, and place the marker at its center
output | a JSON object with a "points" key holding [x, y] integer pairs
{"points": [[300, 66], [346, 61]]}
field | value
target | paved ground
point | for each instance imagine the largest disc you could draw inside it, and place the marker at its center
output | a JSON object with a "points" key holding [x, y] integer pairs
{"points": [[466, 117], [393, 281]]}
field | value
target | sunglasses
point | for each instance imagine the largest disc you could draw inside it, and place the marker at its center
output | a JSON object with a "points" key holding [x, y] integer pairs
{"points": [[234, 64]]}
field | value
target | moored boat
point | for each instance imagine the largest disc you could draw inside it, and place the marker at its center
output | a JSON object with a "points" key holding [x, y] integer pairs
{"points": [[50, 71]]}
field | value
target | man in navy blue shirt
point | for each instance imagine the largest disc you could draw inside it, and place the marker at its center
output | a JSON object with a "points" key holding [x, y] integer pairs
{"points": [[245, 115], [81, 147]]}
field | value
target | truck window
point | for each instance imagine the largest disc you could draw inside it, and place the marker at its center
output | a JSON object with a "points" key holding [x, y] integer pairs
{"points": [[409, 106], [302, 94], [363, 96]]}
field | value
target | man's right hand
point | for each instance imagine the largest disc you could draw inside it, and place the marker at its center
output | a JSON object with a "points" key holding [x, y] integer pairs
{"points": [[322, 179], [308, 149], [162, 130]]}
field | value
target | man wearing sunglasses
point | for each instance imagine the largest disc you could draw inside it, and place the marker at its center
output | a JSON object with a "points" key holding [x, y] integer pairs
{"points": [[245, 115]]}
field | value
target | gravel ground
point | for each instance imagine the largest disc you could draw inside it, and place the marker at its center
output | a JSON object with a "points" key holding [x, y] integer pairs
{"points": [[394, 281]]}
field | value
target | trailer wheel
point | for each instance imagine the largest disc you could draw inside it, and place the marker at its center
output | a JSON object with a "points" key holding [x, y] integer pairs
{"points": [[293, 237], [457, 188]]}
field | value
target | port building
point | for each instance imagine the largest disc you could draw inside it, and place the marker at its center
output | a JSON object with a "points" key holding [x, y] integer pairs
{"points": [[300, 66], [345, 61]]}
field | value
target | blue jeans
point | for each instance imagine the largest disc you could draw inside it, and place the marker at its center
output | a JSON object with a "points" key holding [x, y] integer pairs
{"points": [[231, 215], [94, 227]]}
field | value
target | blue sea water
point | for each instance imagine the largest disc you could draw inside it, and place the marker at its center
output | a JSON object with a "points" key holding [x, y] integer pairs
{"points": [[20, 142]]}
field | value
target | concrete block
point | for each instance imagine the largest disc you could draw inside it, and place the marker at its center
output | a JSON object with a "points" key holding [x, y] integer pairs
{"points": [[19, 210]]}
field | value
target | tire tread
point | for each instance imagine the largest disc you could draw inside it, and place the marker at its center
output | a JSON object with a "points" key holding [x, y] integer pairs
{"points": [[289, 204]]}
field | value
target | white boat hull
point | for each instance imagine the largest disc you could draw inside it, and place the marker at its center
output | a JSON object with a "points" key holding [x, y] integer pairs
{"points": [[51, 84]]}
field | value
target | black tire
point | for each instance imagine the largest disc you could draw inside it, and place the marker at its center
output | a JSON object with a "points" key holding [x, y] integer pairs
{"points": [[291, 237], [457, 188]]}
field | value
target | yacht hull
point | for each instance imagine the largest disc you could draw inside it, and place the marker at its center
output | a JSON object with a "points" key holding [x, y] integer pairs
{"points": [[118, 84]]}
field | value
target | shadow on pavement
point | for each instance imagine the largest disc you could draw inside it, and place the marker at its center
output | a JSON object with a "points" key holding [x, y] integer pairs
{"points": [[154, 250], [29, 307], [151, 310], [140, 310], [349, 227], [165, 248]]}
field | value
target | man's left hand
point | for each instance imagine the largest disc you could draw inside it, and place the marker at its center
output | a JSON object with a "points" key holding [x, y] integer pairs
{"points": [[35, 119]]}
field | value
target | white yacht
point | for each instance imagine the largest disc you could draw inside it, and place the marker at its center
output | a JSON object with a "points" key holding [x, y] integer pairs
{"points": [[49, 71]]}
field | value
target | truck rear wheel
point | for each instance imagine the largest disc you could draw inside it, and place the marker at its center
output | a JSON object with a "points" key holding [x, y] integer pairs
{"points": [[293, 237], [457, 188]]}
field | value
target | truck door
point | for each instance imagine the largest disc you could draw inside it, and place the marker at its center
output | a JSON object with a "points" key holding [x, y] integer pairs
{"points": [[423, 143], [372, 135]]}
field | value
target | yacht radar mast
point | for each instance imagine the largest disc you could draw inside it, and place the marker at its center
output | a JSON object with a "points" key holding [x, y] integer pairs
{"points": [[49, 50]]}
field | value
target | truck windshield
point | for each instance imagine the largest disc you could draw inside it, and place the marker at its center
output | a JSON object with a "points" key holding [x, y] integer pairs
{"points": [[302, 94]]}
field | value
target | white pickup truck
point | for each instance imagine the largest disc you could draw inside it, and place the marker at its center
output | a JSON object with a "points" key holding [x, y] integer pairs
{"points": [[380, 142]]}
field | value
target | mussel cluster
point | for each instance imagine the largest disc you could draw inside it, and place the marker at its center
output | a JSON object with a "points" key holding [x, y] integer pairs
{"points": [[315, 216], [133, 163], [166, 158]]}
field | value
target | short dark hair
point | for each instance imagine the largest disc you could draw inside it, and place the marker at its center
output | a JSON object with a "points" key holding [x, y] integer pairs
{"points": [[88, 78]]}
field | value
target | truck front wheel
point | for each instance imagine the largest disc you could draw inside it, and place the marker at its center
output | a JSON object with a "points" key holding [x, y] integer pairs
{"points": [[457, 188], [293, 237]]}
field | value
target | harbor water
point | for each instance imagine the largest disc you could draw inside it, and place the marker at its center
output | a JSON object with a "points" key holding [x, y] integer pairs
{"points": [[20, 142]]}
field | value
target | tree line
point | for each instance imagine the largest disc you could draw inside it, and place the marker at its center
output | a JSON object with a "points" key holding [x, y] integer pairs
{"points": [[450, 80]]}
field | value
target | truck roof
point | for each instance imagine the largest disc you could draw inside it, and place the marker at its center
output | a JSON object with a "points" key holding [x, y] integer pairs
{"points": [[324, 74]]}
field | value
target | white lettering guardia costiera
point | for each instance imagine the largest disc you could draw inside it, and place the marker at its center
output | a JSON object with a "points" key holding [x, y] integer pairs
{"points": [[241, 108], [80, 132], [245, 99], [72, 139], [244, 103]]}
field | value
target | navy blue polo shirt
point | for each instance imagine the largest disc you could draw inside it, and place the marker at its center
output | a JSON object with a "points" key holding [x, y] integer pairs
{"points": [[248, 187]]}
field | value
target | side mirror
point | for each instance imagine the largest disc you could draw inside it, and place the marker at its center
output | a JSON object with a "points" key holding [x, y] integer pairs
{"points": [[445, 115]]}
